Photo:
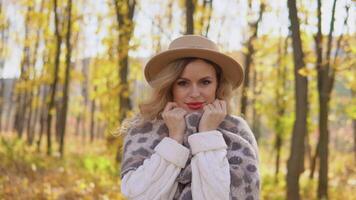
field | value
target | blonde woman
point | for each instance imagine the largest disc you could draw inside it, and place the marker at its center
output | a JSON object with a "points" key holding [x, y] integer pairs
{"points": [[185, 144]]}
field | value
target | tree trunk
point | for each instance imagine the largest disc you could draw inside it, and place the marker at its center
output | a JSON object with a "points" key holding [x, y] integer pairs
{"points": [[124, 14], [278, 145], [327, 75], [209, 18], [124, 99], [189, 6], [92, 122], [353, 96], [43, 117], [324, 141], [314, 161], [295, 163], [31, 122], [249, 61], [35, 122], [51, 105], [246, 81], [29, 119], [22, 95], [255, 115], [10, 108], [3, 36], [92, 119], [319, 53], [67, 79], [205, 19], [280, 101], [59, 109], [2, 99], [354, 130], [77, 124], [83, 117]]}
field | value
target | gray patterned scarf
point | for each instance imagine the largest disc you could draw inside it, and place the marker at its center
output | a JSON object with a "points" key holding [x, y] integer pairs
{"points": [[242, 154]]}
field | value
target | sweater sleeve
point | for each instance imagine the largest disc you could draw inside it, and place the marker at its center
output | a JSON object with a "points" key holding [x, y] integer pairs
{"points": [[155, 178], [210, 167]]}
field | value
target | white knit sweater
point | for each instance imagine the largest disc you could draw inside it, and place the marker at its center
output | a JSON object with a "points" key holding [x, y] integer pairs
{"points": [[155, 179]]}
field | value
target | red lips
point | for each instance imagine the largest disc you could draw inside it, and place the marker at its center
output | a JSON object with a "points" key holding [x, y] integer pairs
{"points": [[195, 105]]}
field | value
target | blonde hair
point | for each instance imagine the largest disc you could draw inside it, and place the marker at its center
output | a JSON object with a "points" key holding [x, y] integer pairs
{"points": [[163, 83]]}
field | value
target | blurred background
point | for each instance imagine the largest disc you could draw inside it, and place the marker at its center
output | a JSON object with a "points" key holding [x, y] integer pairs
{"points": [[72, 70]]}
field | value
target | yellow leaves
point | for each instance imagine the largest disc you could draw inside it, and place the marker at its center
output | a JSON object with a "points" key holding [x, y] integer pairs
{"points": [[34, 167], [351, 109], [52, 111], [244, 49], [310, 57], [31, 175], [305, 71], [36, 102], [76, 27], [45, 79], [353, 49], [136, 70], [77, 75], [24, 85], [37, 19]]}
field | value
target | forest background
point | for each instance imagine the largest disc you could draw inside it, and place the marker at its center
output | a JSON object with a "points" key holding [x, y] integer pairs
{"points": [[72, 71]]}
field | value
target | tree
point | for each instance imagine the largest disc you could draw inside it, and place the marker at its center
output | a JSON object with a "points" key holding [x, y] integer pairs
{"points": [[295, 162], [319, 60], [55, 76], [205, 17], [124, 16], [65, 99], [35, 87], [189, 6], [92, 115], [21, 90], [198, 16], [43, 115], [4, 35], [326, 77], [281, 102], [249, 59]]}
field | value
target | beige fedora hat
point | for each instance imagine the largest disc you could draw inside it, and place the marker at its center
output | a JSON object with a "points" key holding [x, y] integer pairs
{"points": [[199, 47]]}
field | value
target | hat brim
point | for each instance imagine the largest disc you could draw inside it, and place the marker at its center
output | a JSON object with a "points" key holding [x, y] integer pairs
{"points": [[232, 70]]}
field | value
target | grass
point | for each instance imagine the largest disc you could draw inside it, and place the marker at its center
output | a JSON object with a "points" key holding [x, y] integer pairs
{"points": [[342, 176], [86, 172]]}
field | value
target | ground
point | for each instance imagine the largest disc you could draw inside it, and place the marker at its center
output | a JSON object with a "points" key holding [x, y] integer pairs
{"points": [[89, 171]]}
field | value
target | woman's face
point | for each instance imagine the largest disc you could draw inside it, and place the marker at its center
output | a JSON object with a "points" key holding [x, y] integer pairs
{"points": [[196, 86]]}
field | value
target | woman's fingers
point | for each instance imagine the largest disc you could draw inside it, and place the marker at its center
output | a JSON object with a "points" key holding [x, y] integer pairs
{"points": [[170, 106], [223, 106], [178, 111], [217, 105], [213, 115], [173, 111], [173, 117]]}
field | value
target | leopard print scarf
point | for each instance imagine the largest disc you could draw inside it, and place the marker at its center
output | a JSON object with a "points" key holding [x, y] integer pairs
{"points": [[242, 154]]}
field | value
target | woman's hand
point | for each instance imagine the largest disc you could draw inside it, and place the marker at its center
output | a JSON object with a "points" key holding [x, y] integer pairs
{"points": [[173, 116], [213, 115]]}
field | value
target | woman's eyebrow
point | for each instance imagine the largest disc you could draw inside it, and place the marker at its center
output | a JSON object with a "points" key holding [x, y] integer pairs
{"points": [[183, 78], [205, 77]]}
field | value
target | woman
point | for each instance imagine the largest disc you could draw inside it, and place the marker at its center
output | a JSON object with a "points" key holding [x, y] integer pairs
{"points": [[185, 144]]}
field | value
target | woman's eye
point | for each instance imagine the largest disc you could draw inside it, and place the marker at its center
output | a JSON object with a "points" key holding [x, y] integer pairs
{"points": [[182, 83], [206, 82]]}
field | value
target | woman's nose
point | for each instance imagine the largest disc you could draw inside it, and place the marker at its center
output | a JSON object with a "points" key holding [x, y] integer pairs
{"points": [[194, 91]]}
